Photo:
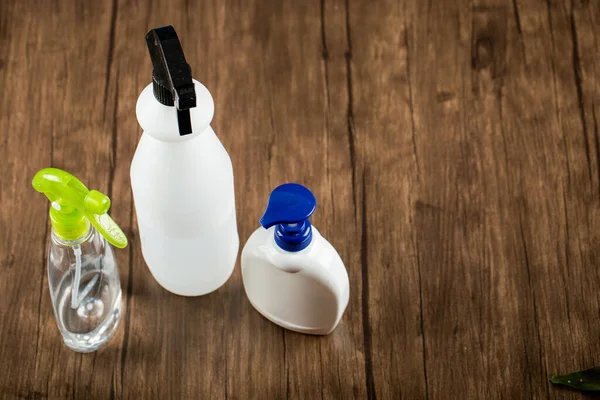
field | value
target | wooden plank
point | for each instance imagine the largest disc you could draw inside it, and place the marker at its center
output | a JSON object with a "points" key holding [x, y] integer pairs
{"points": [[345, 352], [386, 166], [447, 217], [467, 250], [22, 240], [507, 297], [569, 296]]}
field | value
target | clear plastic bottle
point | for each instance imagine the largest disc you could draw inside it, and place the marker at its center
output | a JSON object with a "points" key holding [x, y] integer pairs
{"points": [[82, 271], [87, 303]]}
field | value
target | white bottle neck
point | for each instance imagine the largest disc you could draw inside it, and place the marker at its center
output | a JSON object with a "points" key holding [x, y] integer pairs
{"points": [[160, 121]]}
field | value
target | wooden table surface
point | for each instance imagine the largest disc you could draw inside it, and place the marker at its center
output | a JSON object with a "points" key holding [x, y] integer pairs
{"points": [[454, 151]]}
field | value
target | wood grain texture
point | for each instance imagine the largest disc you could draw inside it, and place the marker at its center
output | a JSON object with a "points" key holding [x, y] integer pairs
{"points": [[452, 146]]}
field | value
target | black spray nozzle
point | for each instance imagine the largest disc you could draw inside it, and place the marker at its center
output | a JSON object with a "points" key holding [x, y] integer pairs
{"points": [[171, 75]]}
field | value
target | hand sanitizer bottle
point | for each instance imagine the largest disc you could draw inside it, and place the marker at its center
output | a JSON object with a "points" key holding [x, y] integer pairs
{"points": [[182, 178], [292, 275], [82, 270]]}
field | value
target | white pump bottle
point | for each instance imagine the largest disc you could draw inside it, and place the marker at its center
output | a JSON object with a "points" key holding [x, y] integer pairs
{"points": [[182, 178], [292, 275]]}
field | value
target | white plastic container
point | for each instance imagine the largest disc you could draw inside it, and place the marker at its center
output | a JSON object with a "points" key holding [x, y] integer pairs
{"points": [[182, 180], [292, 275]]}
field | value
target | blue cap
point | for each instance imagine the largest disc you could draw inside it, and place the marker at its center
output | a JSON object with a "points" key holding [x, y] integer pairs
{"points": [[289, 208]]}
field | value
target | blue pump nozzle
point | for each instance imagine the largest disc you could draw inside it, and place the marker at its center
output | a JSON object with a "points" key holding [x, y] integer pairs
{"points": [[289, 208]]}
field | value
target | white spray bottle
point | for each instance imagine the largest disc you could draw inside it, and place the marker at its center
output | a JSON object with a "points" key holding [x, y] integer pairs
{"points": [[182, 178]]}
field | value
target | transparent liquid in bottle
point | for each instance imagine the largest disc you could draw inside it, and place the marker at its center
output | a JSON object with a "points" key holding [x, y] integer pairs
{"points": [[97, 312]]}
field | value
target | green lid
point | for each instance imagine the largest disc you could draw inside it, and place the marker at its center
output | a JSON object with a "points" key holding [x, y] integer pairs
{"points": [[74, 207]]}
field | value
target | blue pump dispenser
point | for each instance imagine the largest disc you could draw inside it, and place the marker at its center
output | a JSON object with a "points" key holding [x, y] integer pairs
{"points": [[289, 208]]}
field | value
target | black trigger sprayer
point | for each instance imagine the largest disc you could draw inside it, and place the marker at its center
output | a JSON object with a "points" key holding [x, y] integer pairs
{"points": [[171, 75]]}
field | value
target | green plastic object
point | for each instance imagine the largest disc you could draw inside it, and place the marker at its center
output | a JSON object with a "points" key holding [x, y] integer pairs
{"points": [[74, 206]]}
